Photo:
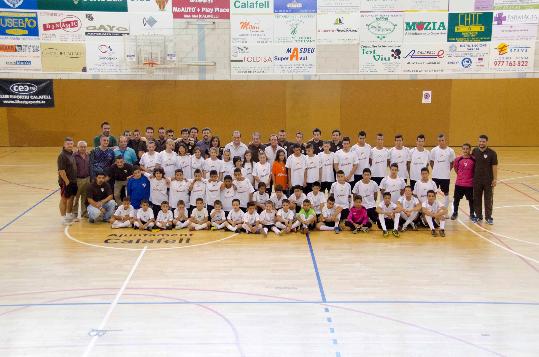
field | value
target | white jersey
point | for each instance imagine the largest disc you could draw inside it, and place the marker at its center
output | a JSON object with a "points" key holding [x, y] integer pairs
{"points": [[329, 212], [145, 216], [341, 193], [297, 166], [393, 186], [199, 215], [235, 216], [408, 204], [421, 188], [313, 165], [227, 195], [363, 153], [267, 218], [184, 163], [179, 190], [442, 162], [379, 159], [260, 198], [418, 160], [213, 191], [169, 162], [198, 191], [366, 191], [165, 217], [250, 219], [183, 213], [158, 191], [247, 172], [288, 216], [400, 157], [263, 172], [121, 211], [297, 200], [243, 191], [316, 201], [345, 161], [387, 209], [277, 201], [196, 164], [149, 161], [327, 160], [216, 165], [228, 168], [219, 216], [435, 207]]}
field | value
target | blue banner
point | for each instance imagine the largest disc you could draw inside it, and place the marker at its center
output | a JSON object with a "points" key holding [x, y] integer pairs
{"points": [[294, 6], [18, 4], [19, 24]]}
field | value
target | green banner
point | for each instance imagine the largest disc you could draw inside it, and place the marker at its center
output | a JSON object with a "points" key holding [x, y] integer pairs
{"points": [[83, 5], [469, 27]]}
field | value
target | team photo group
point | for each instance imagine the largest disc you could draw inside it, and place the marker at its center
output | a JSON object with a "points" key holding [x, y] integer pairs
{"points": [[147, 180]]}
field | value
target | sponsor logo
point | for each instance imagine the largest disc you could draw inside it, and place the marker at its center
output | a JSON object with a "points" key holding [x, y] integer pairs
{"points": [[466, 62], [149, 21], [425, 54], [338, 21], [18, 24], [14, 3], [23, 88], [294, 5], [381, 27], [499, 18], [19, 48], [248, 25], [395, 54], [249, 4], [104, 48], [149, 238], [425, 26], [502, 48], [469, 22], [69, 23], [55, 52]]}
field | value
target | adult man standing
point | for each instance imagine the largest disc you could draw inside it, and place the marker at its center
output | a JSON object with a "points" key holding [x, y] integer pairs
{"points": [[363, 153], [83, 178], [100, 202], [161, 141], [186, 140], [272, 148], [256, 145], [299, 143], [485, 178], [105, 128], [236, 147], [336, 143], [126, 152], [418, 159], [119, 172], [441, 159], [346, 160], [281, 139], [137, 144], [67, 179], [204, 144], [317, 141], [101, 157]]}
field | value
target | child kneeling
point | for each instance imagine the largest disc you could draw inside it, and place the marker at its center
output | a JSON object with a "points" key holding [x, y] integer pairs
{"points": [[124, 215]]}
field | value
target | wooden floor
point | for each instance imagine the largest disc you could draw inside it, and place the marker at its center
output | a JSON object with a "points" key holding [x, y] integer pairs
{"points": [[85, 292]]}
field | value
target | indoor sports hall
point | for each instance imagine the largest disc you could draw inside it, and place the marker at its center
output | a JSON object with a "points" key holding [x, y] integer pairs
{"points": [[402, 135]]}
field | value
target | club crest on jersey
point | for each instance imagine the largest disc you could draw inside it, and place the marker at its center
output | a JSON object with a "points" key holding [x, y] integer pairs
{"points": [[485, 156], [102, 190], [14, 3], [144, 185]]}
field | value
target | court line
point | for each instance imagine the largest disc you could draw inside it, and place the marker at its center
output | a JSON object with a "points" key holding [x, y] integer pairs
{"points": [[516, 178], [524, 193], [27, 186], [506, 237], [498, 245], [28, 210], [529, 186], [114, 303]]}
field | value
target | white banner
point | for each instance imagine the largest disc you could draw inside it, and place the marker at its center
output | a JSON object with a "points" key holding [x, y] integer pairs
{"points": [[380, 58], [61, 26], [294, 29], [338, 3], [155, 23], [251, 59], [104, 55], [20, 56], [251, 29], [97, 24], [516, 4], [424, 5], [467, 57], [148, 6], [423, 58], [251, 6], [515, 25], [295, 60], [381, 27], [382, 5], [425, 27], [512, 56], [338, 25]]}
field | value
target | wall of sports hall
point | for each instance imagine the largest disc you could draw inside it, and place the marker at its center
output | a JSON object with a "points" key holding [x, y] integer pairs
{"points": [[464, 105]]}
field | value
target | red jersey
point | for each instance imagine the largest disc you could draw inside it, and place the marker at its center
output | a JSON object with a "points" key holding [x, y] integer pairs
{"points": [[358, 215], [464, 167]]}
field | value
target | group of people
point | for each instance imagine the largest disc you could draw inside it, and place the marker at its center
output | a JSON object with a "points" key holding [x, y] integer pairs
{"points": [[164, 182]]}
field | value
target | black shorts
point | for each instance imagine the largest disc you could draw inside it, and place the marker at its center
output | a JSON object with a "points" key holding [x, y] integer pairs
{"points": [[443, 184], [344, 214], [461, 191], [69, 190], [378, 180], [326, 186]]}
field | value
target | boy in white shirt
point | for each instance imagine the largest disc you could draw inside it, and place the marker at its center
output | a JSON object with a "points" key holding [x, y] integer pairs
{"points": [[313, 169], [388, 215], [267, 219], [235, 217], [124, 215], [296, 166], [168, 159], [434, 213], [346, 161], [330, 218], [409, 208], [296, 199], [424, 185], [145, 218], [228, 193], [179, 189], [342, 193], [244, 189], [327, 159], [393, 184], [286, 218], [277, 197], [441, 159], [379, 160], [218, 217], [368, 190], [149, 160], [251, 220], [199, 217], [197, 189], [317, 198], [213, 163], [213, 189], [260, 197], [363, 153], [399, 155], [418, 159], [164, 217], [181, 217]]}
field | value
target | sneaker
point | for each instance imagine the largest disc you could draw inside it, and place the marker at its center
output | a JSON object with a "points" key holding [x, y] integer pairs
{"points": [[404, 229], [265, 232], [213, 228], [395, 233], [365, 229], [337, 230], [414, 227], [454, 216], [490, 221], [474, 219], [354, 231], [433, 233], [386, 234], [442, 233]]}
